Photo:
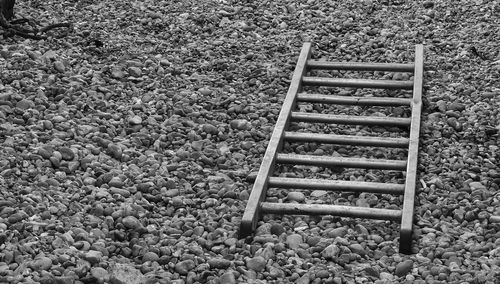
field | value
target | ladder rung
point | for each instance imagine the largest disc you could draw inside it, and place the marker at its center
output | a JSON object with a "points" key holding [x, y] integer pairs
{"points": [[357, 83], [346, 100], [336, 210], [347, 139], [337, 185], [327, 161], [360, 66], [349, 119]]}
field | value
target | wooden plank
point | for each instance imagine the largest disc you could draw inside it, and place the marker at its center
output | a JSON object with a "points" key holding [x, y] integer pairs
{"points": [[337, 185], [327, 209], [357, 83], [360, 66], [351, 120], [411, 171], [259, 190], [328, 161], [348, 100], [347, 139]]}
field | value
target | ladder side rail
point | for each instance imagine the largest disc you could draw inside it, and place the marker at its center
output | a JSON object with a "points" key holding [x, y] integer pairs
{"points": [[259, 190], [411, 171]]}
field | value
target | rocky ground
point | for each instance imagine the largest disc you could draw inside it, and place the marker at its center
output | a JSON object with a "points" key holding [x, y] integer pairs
{"points": [[126, 144]]}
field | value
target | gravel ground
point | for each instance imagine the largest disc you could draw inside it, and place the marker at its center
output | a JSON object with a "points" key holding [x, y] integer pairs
{"points": [[127, 143]]}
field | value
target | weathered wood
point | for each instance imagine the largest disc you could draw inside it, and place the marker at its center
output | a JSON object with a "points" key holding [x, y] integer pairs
{"points": [[347, 100], [337, 185], [411, 171], [350, 119], [259, 190], [347, 139], [336, 210], [357, 83], [360, 66], [328, 161]]}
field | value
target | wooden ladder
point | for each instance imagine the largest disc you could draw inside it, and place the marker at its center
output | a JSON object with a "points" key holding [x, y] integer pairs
{"points": [[257, 204]]}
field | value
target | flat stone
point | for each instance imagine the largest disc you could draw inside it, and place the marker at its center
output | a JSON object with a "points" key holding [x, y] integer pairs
{"points": [[475, 185], [150, 256], [135, 71], [126, 274], [25, 104], [219, 263]]}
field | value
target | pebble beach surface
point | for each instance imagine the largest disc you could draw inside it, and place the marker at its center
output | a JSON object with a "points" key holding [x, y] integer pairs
{"points": [[126, 145]]}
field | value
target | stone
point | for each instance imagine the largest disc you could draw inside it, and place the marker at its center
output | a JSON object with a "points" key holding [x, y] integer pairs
{"points": [[122, 273], [331, 252], [475, 185], [256, 264], [357, 248], [277, 229], [219, 263], [135, 71], [150, 256], [294, 241], [240, 124], [93, 256], [227, 278], [296, 196], [337, 232], [67, 153], [210, 129], [99, 273], [59, 66], [116, 182], [131, 222], [25, 104], [135, 120], [41, 263], [184, 267], [404, 267]]}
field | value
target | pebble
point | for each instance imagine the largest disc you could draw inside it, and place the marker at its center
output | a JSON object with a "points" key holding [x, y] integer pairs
{"points": [[131, 222], [337, 232], [59, 66], [126, 274], [41, 263], [67, 153], [227, 278], [256, 264], [331, 252], [277, 229], [404, 268], [184, 267], [240, 124], [210, 129], [150, 256], [135, 120], [99, 273], [93, 256], [219, 263], [357, 248], [296, 196], [294, 241], [135, 71]]}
